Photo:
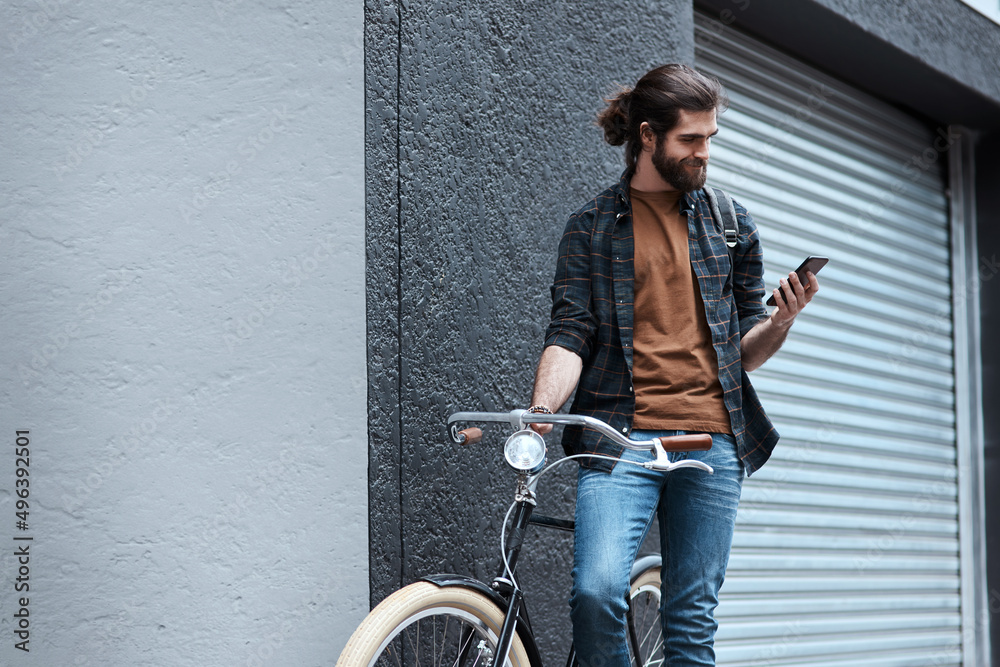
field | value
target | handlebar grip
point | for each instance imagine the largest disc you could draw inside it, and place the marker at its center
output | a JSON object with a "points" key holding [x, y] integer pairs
{"points": [[470, 436], [697, 442]]}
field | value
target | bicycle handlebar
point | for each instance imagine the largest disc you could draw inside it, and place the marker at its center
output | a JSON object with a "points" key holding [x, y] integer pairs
{"points": [[519, 419]]}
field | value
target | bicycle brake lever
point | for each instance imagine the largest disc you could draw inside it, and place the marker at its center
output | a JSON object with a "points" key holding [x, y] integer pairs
{"points": [[666, 466]]}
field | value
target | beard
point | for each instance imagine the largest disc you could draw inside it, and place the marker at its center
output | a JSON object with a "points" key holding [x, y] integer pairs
{"points": [[679, 173]]}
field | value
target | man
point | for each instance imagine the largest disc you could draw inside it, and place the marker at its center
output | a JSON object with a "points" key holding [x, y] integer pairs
{"points": [[656, 333]]}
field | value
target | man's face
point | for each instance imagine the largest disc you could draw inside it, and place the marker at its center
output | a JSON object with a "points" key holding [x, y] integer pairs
{"points": [[681, 155]]}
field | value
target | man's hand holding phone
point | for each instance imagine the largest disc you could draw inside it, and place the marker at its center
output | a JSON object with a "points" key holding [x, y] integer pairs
{"points": [[795, 291]]}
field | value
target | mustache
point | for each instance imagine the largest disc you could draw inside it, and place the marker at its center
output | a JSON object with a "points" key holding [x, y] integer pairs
{"points": [[694, 162]]}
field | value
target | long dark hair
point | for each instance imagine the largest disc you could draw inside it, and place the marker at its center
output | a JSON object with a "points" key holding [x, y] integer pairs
{"points": [[657, 99]]}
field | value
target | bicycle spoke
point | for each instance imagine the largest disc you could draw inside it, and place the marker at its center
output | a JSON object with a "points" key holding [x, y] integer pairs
{"points": [[644, 640], [645, 618], [439, 656], [652, 648], [445, 643], [467, 637], [413, 648], [392, 650]]}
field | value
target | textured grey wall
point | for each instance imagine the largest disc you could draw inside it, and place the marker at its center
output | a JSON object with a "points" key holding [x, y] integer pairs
{"points": [[183, 330], [480, 143]]}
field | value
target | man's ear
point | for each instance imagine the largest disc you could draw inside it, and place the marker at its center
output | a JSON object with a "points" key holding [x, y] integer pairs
{"points": [[647, 136]]}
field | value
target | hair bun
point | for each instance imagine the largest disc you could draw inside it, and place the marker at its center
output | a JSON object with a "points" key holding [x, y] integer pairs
{"points": [[614, 119]]}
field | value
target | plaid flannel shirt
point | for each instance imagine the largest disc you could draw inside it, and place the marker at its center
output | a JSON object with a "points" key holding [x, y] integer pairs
{"points": [[592, 315]]}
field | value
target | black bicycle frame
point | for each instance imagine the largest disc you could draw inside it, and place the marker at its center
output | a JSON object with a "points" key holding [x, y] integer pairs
{"points": [[518, 527], [507, 596]]}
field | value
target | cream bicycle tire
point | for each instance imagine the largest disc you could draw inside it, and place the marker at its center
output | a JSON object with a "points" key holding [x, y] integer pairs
{"points": [[406, 612]]}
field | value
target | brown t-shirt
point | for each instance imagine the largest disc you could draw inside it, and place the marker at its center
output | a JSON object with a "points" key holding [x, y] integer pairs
{"points": [[675, 371]]}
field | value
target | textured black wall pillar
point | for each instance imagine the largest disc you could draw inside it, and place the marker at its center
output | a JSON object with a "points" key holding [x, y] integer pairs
{"points": [[383, 286], [988, 212], [480, 142]]}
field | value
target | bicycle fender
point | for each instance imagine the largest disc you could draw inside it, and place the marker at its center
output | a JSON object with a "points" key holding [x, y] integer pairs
{"points": [[462, 581], [643, 563]]}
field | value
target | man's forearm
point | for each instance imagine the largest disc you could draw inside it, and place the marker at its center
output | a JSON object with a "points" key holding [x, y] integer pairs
{"points": [[557, 376], [762, 342]]}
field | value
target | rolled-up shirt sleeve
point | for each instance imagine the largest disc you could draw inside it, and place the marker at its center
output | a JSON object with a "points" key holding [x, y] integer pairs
{"points": [[748, 274], [573, 324]]}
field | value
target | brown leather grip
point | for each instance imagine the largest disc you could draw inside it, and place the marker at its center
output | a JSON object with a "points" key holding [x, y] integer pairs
{"points": [[470, 436], [698, 442]]}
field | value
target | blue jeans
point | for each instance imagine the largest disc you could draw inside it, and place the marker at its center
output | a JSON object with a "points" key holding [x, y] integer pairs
{"points": [[614, 512]]}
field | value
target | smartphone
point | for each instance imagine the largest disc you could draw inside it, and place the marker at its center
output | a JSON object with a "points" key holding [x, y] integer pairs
{"points": [[810, 263]]}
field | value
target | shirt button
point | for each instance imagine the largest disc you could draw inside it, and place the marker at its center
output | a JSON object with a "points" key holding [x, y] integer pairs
{"points": [[624, 429]]}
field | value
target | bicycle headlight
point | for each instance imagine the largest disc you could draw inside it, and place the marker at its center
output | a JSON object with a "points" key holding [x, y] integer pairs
{"points": [[525, 451]]}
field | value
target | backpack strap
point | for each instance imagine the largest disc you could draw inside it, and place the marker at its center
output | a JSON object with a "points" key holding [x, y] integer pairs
{"points": [[724, 214]]}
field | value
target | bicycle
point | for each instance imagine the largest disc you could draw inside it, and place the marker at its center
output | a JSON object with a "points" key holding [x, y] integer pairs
{"points": [[458, 621]]}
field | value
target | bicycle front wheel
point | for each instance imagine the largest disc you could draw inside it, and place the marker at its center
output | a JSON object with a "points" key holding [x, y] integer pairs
{"points": [[646, 645], [424, 625]]}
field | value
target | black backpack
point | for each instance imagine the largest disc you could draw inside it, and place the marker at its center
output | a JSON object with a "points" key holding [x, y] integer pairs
{"points": [[724, 214]]}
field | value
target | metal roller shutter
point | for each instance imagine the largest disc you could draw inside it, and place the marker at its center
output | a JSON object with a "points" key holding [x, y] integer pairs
{"points": [[847, 543]]}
